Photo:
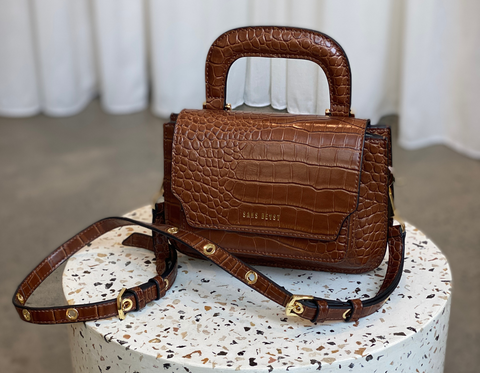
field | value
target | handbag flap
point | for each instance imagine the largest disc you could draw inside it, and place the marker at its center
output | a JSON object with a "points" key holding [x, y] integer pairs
{"points": [[277, 174]]}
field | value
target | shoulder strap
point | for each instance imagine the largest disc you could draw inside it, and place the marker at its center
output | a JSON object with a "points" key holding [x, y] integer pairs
{"points": [[133, 299]]}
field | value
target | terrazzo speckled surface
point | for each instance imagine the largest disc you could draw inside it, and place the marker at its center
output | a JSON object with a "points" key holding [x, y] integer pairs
{"points": [[208, 320]]}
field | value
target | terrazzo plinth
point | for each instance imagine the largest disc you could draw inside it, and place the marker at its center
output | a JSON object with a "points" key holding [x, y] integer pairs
{"points": [[210, 321]]}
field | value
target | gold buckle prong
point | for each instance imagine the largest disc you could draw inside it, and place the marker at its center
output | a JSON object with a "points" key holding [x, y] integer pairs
{"points": [[294, 307]]}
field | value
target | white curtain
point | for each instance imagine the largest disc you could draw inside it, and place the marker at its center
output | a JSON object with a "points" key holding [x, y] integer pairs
{"points": [[417, 59]]}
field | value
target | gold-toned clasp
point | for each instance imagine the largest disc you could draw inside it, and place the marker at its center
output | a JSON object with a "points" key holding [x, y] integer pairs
{"points": [[123, 305], [395, 214], [294, 307]]}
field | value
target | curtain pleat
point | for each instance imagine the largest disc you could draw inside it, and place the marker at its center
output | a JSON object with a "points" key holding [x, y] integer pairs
{"points": [[19, 94], [417, 59], [181, 33], [65, 69], [441, 79], [121, 50]]}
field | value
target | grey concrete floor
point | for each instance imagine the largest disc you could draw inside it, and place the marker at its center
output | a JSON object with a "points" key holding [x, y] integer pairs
{"points": [[60, 174]]}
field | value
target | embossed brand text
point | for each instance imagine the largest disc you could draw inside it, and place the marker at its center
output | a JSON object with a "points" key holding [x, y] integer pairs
{"points": [[260, 216]]}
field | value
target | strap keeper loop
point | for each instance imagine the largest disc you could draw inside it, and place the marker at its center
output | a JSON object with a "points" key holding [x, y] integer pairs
{"points": [[157, 286], [355, 312]]}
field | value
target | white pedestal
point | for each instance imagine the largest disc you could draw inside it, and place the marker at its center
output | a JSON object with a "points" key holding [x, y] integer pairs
{"points": [[208, 320]]}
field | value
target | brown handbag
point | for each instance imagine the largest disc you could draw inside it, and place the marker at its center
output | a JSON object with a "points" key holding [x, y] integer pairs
{"points": [[297, 191]]}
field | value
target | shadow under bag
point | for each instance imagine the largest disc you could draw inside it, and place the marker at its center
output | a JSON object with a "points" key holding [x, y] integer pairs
{"points": [[297, 191]]}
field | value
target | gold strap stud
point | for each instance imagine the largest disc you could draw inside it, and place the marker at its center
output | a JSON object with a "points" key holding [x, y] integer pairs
{"points": [[172, 230], [72, 314], [20, 298], [328, 112], [228, 106], [209, 249], [251, 277], [26, 315], [158, 196]]}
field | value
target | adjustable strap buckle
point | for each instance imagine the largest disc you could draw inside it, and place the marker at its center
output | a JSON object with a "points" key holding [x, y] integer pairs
{"points": [[294, 307], [123, 305]]}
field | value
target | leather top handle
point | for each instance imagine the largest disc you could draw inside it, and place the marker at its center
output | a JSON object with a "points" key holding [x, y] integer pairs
{"points": [[278, 42]]}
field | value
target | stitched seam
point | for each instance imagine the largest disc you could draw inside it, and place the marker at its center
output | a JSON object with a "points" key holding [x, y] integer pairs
{"points": [[341, 250]]}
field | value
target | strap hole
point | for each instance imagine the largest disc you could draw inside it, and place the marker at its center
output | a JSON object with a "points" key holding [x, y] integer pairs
{"points": [[209, 249], [72, 314], [172, 230], [251, 277], [26, 315], [20, 298], [127, 305]]}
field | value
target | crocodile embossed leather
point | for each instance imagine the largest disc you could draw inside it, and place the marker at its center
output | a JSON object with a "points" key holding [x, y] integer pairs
{"points": [[296, 191]]}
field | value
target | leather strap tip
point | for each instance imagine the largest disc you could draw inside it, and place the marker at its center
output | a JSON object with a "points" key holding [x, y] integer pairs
{"points": [[158, 287], [129, 241]]}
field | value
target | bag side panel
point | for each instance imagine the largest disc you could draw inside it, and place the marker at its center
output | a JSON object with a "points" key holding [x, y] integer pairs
{"points": [[368, 236]]}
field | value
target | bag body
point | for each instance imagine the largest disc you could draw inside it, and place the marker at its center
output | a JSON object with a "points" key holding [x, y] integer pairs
{"points": [[358, 238]]}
